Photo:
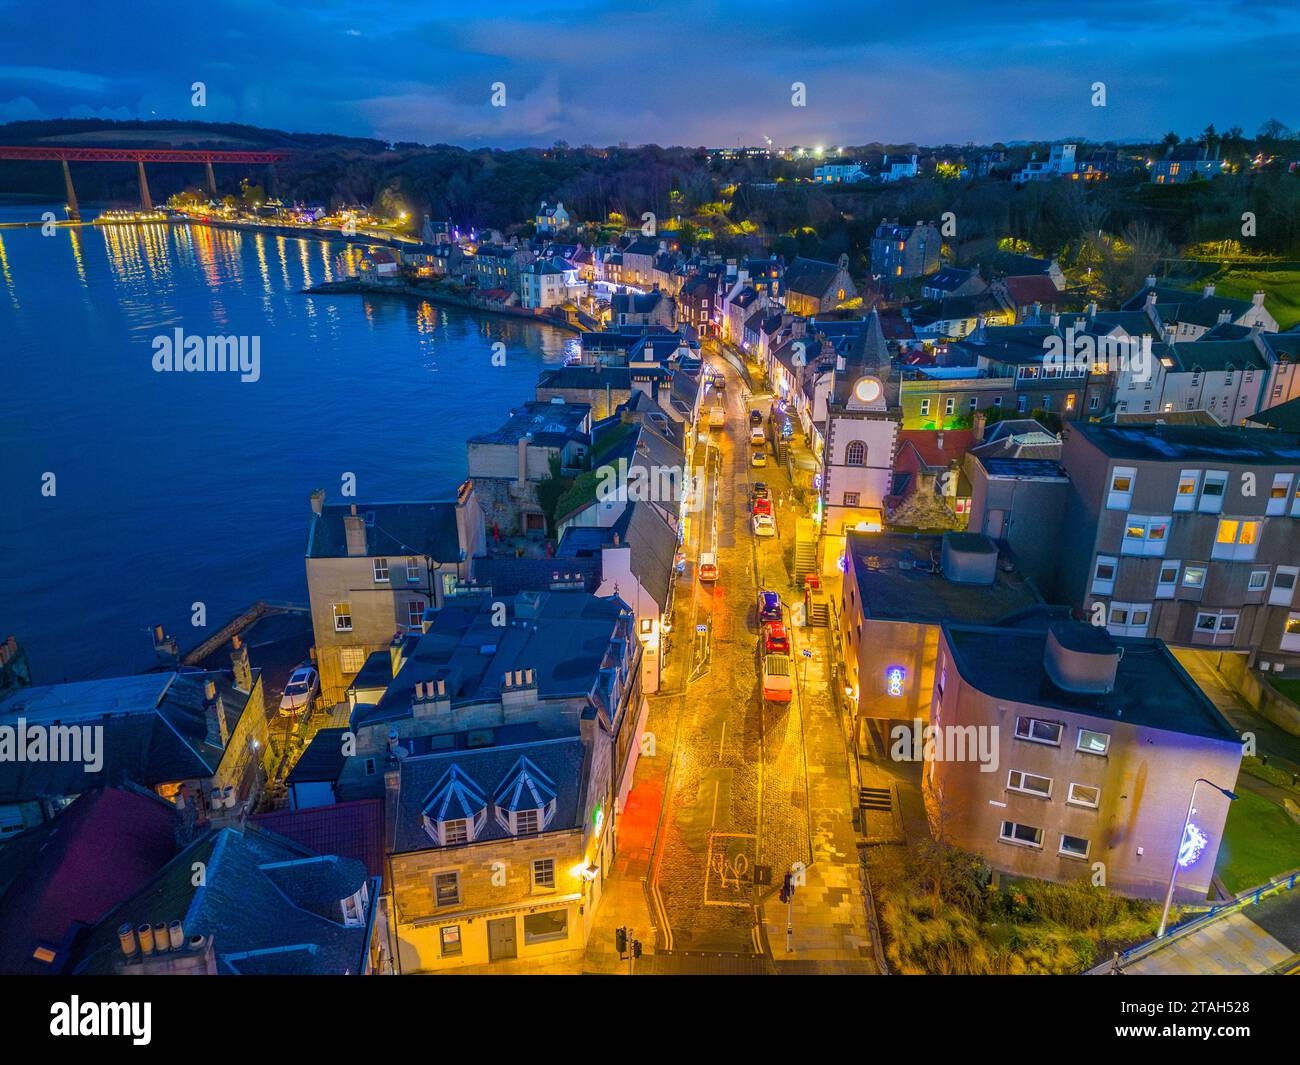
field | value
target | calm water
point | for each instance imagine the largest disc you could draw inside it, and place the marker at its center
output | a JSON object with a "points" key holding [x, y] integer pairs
{"points": [[184, 487]]}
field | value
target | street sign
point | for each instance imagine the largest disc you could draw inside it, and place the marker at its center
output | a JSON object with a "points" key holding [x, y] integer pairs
{"points": [[806, 654], [701, 628]]}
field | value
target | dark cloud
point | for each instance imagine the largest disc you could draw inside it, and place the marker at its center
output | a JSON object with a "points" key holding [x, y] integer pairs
{"points": [[677, 72]]}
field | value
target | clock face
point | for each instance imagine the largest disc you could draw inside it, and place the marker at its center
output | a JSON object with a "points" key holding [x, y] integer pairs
{"points": [[867, 390]]}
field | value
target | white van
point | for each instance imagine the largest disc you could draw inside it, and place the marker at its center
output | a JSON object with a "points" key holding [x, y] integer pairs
{"points": [[778, 683]]}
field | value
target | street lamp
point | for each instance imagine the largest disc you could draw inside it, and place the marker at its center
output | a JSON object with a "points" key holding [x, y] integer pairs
{"points": [[1178, 851]]}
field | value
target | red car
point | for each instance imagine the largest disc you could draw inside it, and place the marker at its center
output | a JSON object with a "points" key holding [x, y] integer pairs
{"points": [[762, 506], [775, 640]]}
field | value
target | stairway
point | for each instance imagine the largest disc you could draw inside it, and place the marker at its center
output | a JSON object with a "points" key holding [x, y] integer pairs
{"points": [[874, 799], [819, 610], [805, 550]]}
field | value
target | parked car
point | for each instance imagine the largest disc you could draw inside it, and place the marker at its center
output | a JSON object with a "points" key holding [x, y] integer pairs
{"points": [[757, 436], [708, 570], [758, 458], [759, 490], [778, 683], [763, 525], [717, 417], [300, 692], [761, 505], [755, 417], [769, 606], [775, 640]]}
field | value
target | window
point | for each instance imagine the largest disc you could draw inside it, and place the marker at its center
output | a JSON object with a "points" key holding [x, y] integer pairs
{"points": [[1092, 402], [527, 822], [1258, 580], [454, 832], [949, 404], [1279, 493], [343, 618], [1121, 488], [1193, 576], [1291, 633], [925, 407], [1029, 784], [543, 872], [446, 889], [1216, 485], [1036, 730], [1022, 402], [1185, 497], [1128, 619], [413, 570], [1167, 582], [449, 940], [1144, 535], [542, 927], [381, 570], [1212, 624], [1073, 847], [1092, 742], [1236, 539], [1103, 577], [851, 499], [1283, 585], [415, 613], [855, 454], [1084, 795], [1022, 835], [974, 402]]}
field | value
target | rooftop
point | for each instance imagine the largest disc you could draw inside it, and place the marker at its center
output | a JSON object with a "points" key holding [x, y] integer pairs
{"points": [[899, 579], [1151, 688], [1192, 443], [422, 528]]}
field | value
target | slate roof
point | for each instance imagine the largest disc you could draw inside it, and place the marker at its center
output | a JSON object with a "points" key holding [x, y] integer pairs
{"points": [[550, 424], [252, 898], [1218, 355], [323, 759], [563, 635], [73, 869], [948, 278], [348, 829], [653, 548], [810, 277], [392, 529], [560, 761], [1034, 288], [155, 731], [1285, 416]]}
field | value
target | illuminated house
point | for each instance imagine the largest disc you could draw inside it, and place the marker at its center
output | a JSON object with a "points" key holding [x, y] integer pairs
{"points": [[1093, 746]]}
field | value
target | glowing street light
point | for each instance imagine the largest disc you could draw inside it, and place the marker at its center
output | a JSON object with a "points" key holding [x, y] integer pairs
{"points": [[1190, 844]]}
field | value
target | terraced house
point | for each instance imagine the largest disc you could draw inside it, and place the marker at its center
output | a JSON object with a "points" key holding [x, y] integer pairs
{"points": [[373, 569], [505, 753]]}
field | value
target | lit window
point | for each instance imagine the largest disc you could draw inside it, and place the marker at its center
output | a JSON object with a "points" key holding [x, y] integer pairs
{"points": [[1121, 488], [342, 617]]}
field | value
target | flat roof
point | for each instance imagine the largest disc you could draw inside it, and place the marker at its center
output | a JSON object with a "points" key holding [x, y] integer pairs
{"points": [[1151, 689], [1193, 443], [899, 579]]}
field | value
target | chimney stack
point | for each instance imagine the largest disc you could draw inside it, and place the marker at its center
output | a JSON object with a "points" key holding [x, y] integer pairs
{"points": [[240, 664], [1208, 290], [354, 529]]}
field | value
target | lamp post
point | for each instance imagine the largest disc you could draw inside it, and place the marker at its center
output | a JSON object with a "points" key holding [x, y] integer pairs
{"points": [[1191, 804]]}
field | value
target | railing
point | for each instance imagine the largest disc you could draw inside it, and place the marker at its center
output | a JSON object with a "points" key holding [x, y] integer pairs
{"points": [[1285, 882]]}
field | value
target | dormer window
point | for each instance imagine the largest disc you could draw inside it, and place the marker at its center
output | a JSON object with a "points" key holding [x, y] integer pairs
{"points": [[354, 908], [456, 810], [525, 801]]}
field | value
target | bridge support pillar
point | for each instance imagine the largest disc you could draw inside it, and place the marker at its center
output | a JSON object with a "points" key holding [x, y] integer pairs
{"points": [[146, 201], [212, 180], [74, 212]]}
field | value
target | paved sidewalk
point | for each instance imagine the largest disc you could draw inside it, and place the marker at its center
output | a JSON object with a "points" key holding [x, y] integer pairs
{"points": [[831, 933]]}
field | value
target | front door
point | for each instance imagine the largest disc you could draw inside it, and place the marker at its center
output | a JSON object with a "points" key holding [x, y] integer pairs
{"points": [[501, 938]]}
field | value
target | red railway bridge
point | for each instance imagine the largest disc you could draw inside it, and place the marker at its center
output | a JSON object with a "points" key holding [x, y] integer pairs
{"points": [[139, 156]]}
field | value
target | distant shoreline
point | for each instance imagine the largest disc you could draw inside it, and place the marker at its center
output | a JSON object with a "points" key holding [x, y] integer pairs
{"points": [[351, 286]]}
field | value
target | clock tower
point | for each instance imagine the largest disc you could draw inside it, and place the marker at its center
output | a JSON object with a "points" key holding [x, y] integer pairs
{"points": [[862, 422]]}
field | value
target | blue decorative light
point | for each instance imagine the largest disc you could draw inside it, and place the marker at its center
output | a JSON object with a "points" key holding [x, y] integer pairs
{"points": [[1194, 841], [894, 678]]}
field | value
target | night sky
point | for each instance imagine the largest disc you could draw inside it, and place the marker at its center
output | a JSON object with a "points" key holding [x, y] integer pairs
{"points": [[711, 72]]}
